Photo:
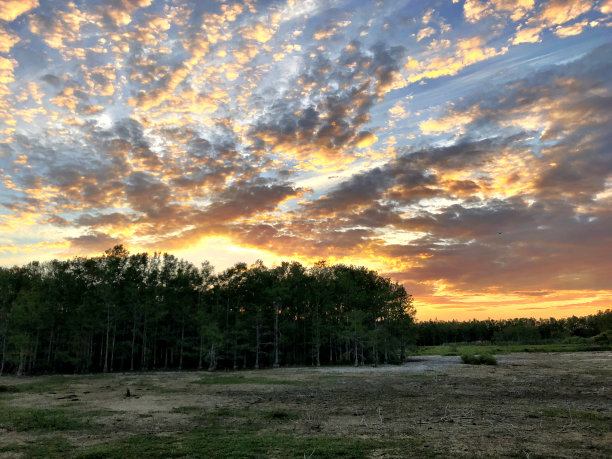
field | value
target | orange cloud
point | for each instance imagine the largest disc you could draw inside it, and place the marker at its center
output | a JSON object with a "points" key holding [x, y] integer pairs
{"points": [[7, 40], [466, 52], [12, 9], [7, 67], [258, 32]]}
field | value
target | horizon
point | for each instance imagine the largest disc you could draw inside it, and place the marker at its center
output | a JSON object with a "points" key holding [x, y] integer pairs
{"points": [[461, 148]]}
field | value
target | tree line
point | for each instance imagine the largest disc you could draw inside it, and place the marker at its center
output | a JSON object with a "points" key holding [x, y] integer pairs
{"points": [[517, 331], [123, 311]]}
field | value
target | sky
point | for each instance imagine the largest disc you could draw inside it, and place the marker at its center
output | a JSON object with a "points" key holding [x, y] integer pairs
{"points": [[461, 147]]}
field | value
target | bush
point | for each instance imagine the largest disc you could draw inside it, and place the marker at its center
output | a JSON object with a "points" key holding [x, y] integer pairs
{"points": [[478, 359], [602, 338]]}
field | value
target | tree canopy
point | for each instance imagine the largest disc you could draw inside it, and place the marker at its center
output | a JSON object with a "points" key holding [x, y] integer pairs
{"points": [[123, 311]]}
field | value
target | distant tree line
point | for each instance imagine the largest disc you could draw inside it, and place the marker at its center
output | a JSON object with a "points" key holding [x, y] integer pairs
{"points": [[122, 311], [516, 331]]}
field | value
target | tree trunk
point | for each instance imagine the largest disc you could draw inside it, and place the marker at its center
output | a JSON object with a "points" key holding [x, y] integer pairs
{"points": [[213, 358], [105, 370], [356, 355], [33, 356], [50, 346], [374, 347], [3, 355], [386, 351], [235, 354], [182, 344], [143, 361], [347, 350], [101, 360], [276, 364], [90, 352], [21, 367], [201, 351], [317, 338], [112, 359], [133, 343], [155, 346], [257, 337]]}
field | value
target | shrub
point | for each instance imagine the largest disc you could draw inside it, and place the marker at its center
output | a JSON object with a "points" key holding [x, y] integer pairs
{"points": [[478, 359], [603, 338]]}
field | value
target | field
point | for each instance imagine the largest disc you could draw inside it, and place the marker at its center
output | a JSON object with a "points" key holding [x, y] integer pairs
{"points": [[529, 405]]}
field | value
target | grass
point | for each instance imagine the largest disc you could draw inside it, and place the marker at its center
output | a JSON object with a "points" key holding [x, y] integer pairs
{"points": [[279, 415], [242, 379], [597, 420], [23, 419], [186, 409], [268, 419], [44, 384], [242, 433], [43, 448], [237, 443]]}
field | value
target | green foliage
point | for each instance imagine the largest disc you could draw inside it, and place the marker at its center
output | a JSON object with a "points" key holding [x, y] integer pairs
{"points": [[514, 331], [123, 311], [603, 338], [508, 348], [478, 359]]}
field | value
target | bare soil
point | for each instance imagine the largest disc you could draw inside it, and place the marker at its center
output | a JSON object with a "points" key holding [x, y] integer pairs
{"points": [[529, 405]]}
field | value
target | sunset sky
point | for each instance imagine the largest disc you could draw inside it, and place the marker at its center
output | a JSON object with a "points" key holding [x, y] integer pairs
{"points": [[462, 148]]}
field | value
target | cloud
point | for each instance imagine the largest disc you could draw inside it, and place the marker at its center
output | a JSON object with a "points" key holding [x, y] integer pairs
{"points": [[12, 9], [324, 122], [571, 30], [119, 12], [306, 131], [331, 28], [258, 32], [94, 242], [553, 13], [426, 32], [62, 27], [557, 12], [479, 237], [527, 35], [454, 122], [7, 67], [466, 51], [517, 8], [7, 39], [474, 10]]}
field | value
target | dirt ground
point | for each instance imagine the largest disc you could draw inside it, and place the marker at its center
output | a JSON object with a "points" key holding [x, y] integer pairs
{"points": [[529, 405]]}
